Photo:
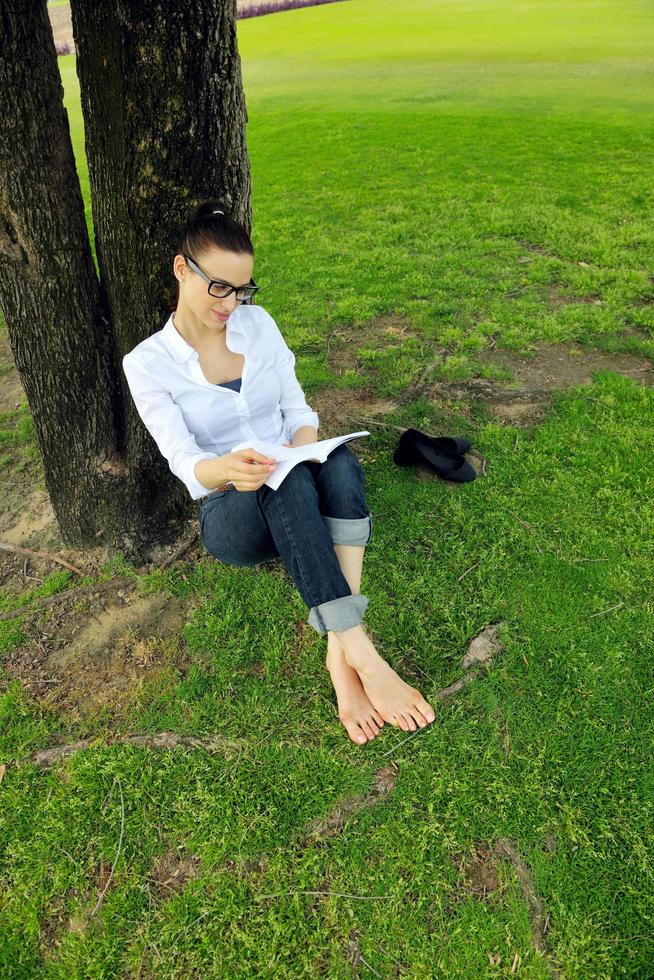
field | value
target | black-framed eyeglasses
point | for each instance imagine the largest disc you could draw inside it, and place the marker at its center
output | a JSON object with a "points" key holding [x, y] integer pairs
{"points": [[223, 289]]}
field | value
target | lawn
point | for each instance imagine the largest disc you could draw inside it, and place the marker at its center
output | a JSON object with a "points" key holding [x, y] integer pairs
{"points": [[480, 172]]}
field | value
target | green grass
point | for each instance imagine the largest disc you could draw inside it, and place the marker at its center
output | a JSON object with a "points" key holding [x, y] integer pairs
{"points": [[476, 149]]}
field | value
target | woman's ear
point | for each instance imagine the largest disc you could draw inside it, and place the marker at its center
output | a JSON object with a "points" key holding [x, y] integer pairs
{"points": [[179, 267]]}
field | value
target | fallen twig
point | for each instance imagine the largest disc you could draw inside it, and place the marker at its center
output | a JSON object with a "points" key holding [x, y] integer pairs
{"points": [[362, 898], [603, 612], [400, 966], [368, 966], [383, 425], [468, 570], [40, 554]]}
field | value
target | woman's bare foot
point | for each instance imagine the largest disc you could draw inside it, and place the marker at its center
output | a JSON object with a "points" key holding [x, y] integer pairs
{"points": [[396, 702], [359, 717]]}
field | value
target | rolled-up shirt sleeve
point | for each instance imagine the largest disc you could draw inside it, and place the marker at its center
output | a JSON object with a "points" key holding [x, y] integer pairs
{"points": [[293, 402], [164, 421]]}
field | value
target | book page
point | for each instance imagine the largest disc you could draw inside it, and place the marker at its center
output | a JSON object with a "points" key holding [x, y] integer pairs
{"points": [[287, 457]]}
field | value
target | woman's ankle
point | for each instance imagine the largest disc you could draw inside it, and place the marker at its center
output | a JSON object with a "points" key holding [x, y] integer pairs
{"points": [[353, 633], [358, 647]]}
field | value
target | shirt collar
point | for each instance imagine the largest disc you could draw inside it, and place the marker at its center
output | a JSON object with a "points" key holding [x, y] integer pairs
{"points": [[181, 350]]}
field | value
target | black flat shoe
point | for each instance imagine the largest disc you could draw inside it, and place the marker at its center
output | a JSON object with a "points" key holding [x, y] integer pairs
{"points": [[407, 452], [416, 447]]}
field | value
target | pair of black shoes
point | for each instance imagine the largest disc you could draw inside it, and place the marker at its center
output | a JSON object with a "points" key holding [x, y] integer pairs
{"points": [[443, 454]]}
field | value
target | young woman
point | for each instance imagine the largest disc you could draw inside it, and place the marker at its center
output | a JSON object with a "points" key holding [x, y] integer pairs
{"points": [[220, 373]]}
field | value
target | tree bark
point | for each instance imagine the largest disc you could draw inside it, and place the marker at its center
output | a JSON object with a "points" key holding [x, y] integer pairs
{"points": [[49, 290], [164, 117]]}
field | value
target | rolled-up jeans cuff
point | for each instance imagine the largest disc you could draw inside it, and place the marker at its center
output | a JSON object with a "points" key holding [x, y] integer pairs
{"points": [[338, 614], [354, 531]]}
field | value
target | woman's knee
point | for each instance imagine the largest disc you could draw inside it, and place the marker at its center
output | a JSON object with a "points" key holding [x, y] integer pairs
{"points": [[298, 481], [340, 463], [343, 462], [240, 559], [236, 537], [249, 563]]}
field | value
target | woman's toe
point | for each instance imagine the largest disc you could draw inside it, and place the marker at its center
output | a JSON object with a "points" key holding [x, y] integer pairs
{"points": [[418, 717], [353, 730], [426, 710], [372, 725]]}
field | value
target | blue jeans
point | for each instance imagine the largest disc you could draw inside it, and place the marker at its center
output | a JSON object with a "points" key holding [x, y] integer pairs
{"points": [[317, 506]]}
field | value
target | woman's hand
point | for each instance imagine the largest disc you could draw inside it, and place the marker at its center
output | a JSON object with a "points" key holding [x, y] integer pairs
{"points": [[247, 469]]}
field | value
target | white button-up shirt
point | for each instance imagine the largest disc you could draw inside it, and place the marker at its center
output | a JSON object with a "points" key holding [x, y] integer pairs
{"points": [[191, 419]]}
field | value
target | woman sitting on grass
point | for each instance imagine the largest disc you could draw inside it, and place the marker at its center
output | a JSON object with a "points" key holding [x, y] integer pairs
{"points": [[219, 373]]}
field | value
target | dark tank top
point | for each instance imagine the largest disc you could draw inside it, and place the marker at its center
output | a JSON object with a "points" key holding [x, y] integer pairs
{"points": [[235, 385]]}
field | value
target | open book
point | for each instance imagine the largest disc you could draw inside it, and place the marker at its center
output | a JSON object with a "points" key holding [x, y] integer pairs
{"points": [[288, 457]]}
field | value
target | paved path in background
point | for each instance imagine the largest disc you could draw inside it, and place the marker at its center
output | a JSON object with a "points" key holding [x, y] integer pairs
{"points": [[62, 27]]}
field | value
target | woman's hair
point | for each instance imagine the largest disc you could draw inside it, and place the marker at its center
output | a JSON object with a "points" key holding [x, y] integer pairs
{"points": [[204, 230]]}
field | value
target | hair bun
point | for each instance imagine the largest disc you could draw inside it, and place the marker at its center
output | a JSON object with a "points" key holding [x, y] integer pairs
{"points": [[210, 209]]}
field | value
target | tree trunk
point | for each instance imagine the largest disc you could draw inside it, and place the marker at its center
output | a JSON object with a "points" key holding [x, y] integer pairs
{"points": [[49, 290], [164, 117]]}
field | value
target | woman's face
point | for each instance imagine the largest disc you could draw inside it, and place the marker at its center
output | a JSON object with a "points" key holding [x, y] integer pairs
{"points": [[231, 268]]}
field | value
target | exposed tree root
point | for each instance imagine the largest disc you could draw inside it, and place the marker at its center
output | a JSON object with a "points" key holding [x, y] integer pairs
{"points": [[163, 740], [508, 849], [120, 582], [183, 548], [383, 784]]}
